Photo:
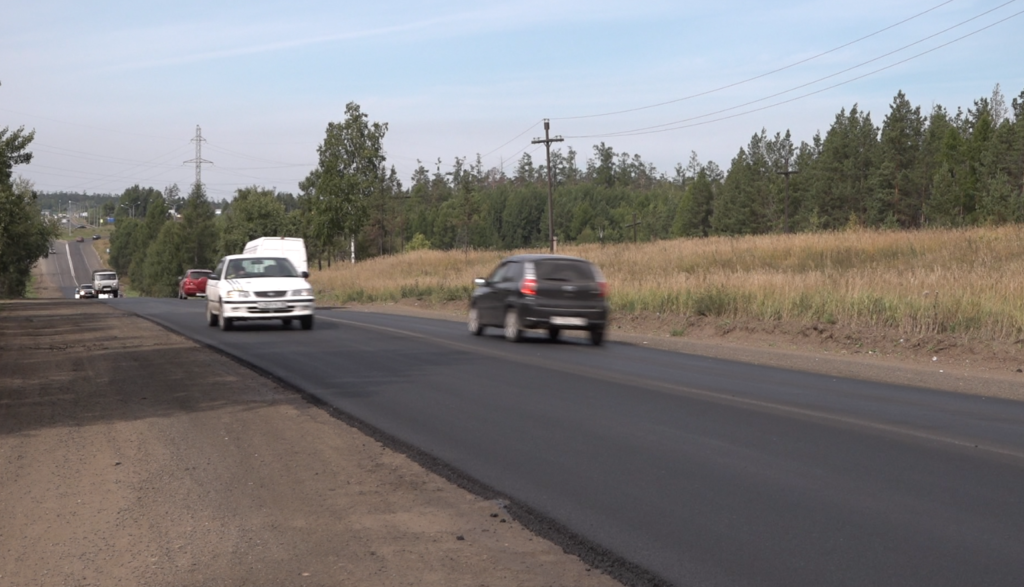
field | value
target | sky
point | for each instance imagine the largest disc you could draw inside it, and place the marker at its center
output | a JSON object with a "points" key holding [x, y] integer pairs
{"points": [[115, 90]]}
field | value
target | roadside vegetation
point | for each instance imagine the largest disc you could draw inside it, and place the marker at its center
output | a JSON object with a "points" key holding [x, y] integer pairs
{"points": [[871, 218], [941, 281], [24, 234]]}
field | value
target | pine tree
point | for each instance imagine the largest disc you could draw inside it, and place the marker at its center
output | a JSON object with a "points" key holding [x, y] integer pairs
{"points": [[900, 181], [199, 233]]}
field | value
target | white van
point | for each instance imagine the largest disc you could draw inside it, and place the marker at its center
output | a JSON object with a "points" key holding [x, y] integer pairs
{"points": [[293, 249]]}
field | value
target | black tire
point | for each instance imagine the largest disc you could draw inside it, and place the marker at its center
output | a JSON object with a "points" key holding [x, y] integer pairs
{"points": [[597, 336], [513, 330], [211, 318], [474, 322], [286, 323], [306, 322], [225, 323], [553, 333]]}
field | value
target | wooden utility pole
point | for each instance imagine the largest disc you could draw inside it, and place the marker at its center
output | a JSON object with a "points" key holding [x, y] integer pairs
{"points": [[547, 140], [634, 225], [787, 173]]}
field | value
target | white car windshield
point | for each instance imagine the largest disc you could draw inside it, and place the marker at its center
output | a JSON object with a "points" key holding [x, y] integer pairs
{"points": [[260, 267]]}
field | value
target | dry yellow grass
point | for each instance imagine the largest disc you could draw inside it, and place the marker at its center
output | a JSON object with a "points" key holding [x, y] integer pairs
{"points": [[926, 282]]}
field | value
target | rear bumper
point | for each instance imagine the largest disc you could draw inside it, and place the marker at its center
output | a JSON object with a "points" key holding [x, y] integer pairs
{"points": [[539, 315]]}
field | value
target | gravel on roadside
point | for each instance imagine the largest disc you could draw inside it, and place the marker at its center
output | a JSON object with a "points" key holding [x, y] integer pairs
{"points": [[131, 456]]}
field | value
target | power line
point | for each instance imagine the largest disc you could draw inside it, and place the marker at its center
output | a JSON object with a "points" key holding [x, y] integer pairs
{"points": [[659, 128], [244, 156], [757, 77], [513, 139]]}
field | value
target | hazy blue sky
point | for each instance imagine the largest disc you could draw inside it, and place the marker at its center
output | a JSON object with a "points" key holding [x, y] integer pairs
{"points": [[115, 90]]}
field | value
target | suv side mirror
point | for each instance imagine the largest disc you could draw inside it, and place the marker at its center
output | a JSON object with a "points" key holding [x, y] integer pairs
{"points": [[213, 277], [304, 274]]}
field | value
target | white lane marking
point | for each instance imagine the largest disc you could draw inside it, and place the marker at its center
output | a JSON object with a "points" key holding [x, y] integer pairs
{"points": [[806, 413], [56, 264], [71, 263]]}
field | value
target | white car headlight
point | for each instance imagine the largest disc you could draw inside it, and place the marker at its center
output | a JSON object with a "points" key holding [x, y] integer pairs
{"points": [[236, 293], [301, 293]]}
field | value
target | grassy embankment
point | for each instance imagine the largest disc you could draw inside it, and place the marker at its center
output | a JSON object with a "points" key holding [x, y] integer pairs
{"points": [[964, 282]]}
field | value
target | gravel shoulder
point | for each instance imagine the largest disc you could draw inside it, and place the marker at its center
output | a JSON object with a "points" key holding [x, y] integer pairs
{"points": [[130, 455]]}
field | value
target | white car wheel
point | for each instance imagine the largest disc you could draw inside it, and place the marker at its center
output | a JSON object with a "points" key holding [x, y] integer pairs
{"points": [[225, 322], [211, 318]]}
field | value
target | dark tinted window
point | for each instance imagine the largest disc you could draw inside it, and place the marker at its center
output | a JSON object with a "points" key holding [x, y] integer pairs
{"points": [[514, 272], [261, 267], [559, 270], [496, 274]]}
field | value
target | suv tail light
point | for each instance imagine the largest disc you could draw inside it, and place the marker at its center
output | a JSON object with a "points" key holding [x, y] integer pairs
{"points": [[528, 286], [602, 286]]}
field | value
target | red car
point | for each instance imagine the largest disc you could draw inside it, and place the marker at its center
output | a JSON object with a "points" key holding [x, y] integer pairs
{"points": [[193, 284]]}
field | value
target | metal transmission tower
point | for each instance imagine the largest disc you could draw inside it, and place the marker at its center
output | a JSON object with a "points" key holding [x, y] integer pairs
{"points": [[199, 140], [547, 140]]}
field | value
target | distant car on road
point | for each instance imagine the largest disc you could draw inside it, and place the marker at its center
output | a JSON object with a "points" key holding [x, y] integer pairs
{"points": [[96, 237], [548, 292], [79, 240], [258, 287], [193, 284], [85, 291], [53, 251]]}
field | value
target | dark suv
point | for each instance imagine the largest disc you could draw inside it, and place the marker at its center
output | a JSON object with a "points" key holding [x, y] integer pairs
{"points": [[550, 292]]}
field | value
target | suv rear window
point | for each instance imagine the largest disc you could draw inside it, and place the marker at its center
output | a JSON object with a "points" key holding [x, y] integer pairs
{"points": [[559, 270]]}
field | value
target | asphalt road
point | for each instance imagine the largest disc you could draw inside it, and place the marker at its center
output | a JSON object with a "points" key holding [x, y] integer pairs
{"points": [[702, 471], [71, 264]]}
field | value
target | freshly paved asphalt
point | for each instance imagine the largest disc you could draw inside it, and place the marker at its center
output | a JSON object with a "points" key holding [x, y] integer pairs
{"points": [[702, 471]]}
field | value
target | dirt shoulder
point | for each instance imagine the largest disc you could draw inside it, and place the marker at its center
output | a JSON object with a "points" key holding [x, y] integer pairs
{"points": [[958, 364], [132, 456]]}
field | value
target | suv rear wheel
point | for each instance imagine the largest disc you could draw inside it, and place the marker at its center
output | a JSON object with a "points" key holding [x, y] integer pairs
{"points": [[513, 331], [597, 336]]}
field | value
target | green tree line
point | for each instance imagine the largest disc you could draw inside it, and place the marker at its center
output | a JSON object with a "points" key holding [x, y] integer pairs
{"points": [[915, 170]]}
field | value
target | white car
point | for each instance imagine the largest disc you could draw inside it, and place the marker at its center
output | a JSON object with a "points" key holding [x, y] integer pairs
{"points": [[258, 287]]}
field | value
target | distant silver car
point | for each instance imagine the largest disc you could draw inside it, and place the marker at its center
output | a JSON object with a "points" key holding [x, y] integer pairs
{"points": [[85, 291]]}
